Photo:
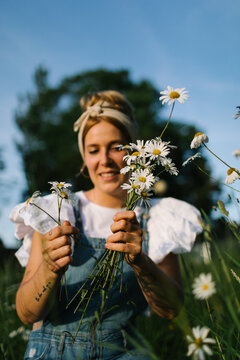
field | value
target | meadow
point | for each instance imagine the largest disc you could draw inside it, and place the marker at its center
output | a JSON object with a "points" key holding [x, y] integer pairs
{"points": [[156, 337]]}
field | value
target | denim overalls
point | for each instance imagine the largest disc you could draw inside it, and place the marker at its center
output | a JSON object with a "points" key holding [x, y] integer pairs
{"points": [[54, 341]]}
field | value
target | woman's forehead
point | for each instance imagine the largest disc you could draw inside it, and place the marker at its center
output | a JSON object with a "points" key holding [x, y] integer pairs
{"points": [[103, 132]]}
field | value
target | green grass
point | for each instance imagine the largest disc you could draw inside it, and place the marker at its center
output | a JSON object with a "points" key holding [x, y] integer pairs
{"points": [[164, 339]]}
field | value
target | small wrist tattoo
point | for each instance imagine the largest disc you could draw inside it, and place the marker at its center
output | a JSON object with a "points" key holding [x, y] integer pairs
{"points": [[44, 288]]}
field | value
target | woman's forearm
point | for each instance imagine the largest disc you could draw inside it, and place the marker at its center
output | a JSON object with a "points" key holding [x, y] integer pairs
{"points": [[163, 293], [36, 295]]}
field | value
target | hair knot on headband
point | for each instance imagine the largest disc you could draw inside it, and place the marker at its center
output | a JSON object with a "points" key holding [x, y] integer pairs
{"points": [[94, 110]]}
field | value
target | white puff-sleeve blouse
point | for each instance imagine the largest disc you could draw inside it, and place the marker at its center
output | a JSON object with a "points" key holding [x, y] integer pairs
{"points": [[172, 224]]}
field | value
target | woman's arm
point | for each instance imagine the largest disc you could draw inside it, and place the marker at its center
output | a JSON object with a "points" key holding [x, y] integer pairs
{"points": [[49, 258], [160, 283]]}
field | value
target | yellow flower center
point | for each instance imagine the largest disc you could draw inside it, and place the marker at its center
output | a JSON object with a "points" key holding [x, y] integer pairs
{"points": [[143, 147], [205, 287], [198, 342], [136, 153], [28, 200], [174, 95], [230, 171], [133, 165], [198, 134], [143, 194], [156, 152], [135, 186], [142, 179], [60, 185], [64, 195], [167, 167]]}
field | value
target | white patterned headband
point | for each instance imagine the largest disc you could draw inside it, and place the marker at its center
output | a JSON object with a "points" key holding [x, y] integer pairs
{"points": [[103, 108]]}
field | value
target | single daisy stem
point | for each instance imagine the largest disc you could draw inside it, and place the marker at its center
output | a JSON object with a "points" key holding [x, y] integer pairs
{"points": [[219, 158], [217, 340], [220, 182], [45, 213], [167, 121]]}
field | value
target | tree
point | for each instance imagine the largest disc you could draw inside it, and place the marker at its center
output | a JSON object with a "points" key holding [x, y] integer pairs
{"points": [[49, 146]]}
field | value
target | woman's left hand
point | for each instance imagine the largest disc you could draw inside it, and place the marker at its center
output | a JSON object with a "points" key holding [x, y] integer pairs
{"points": [[127, 235]]}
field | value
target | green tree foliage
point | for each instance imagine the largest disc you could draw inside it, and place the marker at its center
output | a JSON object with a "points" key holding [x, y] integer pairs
{"points": [[49, 147]]}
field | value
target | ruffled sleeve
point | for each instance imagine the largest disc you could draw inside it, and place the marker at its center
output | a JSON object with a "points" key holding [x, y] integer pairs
{"points": [[173, 225], [26, 219]]}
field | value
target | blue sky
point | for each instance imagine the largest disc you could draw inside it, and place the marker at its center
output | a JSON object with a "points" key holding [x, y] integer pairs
{"points": [[192, 44]]}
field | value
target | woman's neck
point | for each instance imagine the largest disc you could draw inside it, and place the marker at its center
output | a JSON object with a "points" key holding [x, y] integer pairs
{"points": [[106, 200]]}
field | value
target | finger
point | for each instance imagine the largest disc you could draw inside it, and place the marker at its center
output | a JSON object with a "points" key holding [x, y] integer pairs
{"points": [[64, 262], [66, 223], [60, 231], [127, 215], [119, 236], [123, 247], [124, 225], [59, 242], [61, 252]]}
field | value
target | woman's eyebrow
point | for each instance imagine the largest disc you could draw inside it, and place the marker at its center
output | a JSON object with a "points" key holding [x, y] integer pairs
{"points": [[117, 141]]}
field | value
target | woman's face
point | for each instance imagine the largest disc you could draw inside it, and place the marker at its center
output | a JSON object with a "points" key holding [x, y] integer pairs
{"points": [[103, 159]]}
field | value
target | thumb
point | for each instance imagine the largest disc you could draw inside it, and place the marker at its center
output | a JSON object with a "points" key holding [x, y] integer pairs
{"points": [[66, 223]]}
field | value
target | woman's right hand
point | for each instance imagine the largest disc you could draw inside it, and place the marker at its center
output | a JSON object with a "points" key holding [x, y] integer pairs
{"points": [[56, 247]]}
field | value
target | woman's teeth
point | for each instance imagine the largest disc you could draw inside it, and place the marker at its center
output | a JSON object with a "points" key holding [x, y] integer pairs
{"points": [[107, 175]]}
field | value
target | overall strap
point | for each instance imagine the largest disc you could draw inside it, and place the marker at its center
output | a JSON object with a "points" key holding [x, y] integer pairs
{"points": [[143, 224], [76, 210]]}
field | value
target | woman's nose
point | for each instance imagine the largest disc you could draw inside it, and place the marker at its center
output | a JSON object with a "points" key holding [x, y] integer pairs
{"points": [[105, 158]]}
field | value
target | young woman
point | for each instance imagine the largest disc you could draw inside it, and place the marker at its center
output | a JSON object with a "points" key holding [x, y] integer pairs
{"points": [[148, 239]]}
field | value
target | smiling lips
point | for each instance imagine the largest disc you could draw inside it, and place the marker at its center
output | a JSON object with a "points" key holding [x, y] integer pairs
{"points": [[109, 175]]}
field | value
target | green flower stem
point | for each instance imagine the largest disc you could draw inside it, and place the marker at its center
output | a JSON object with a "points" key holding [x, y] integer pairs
{"points": [[160, 172], [220, 182], [165, 128], [45, 212], [220, 159], [79, 290], [217, 340], [80, 322]]}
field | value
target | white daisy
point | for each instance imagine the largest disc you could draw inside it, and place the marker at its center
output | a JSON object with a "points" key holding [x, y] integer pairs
{"points": [[128, 168], [124, 147], [237, 115], [191, 158], [131, 187], [236, 153], [12, 334], [203, 286], [139, 146], [155, 149], [198, 140], [143, 178], [232, 175], [132, 158], [58, 186], [141, 163], [146, 197], [171, 95], [33, 198], [66, 195], [199, 343], [169, 166]]}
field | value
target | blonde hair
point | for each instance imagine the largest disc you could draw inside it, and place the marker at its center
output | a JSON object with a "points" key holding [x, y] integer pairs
{"points": [[110, 106]]}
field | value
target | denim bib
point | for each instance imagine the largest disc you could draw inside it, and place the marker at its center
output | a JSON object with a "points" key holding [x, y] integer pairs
{"points": [[54, 339]]}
